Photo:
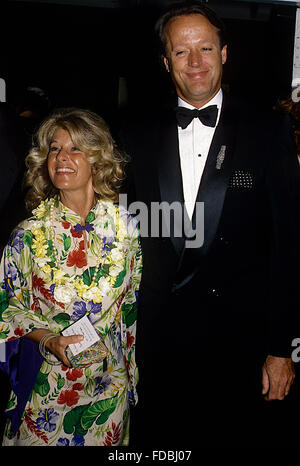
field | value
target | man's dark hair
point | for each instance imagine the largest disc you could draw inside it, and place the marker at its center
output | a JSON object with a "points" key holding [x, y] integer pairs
{"points": [[188, 8]]}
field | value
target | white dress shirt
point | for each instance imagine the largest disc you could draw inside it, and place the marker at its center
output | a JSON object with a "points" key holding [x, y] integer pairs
{"points": [[194, 144]]}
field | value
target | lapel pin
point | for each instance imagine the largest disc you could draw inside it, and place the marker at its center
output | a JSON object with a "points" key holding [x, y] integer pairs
{"points": [[220, 157]]}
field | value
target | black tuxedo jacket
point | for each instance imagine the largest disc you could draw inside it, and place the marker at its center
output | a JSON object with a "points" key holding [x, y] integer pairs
{"points": [[250, 255]]}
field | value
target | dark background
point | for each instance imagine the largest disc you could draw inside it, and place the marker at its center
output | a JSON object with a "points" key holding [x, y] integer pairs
{"points": [[78, 54]]}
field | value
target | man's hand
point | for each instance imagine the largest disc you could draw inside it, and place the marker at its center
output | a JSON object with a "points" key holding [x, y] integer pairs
{"points": [[278, 375]]}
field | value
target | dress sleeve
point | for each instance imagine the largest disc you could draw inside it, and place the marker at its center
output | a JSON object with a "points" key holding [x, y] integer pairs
{"points": [[17, 318], [129, 311]]}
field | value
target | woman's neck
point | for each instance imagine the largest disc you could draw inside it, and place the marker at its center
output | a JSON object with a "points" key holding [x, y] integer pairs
{"points": [[79, 202]]}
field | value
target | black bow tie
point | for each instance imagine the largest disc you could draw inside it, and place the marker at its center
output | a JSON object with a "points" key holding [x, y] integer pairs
{"points": [[207, 116]]}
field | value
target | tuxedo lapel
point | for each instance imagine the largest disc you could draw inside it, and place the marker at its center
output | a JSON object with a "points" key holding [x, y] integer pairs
{"points": [[170, 178], [214, 182]]}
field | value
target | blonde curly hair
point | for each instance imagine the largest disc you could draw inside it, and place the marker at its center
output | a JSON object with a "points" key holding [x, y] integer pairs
{"points": [[91, 135]]}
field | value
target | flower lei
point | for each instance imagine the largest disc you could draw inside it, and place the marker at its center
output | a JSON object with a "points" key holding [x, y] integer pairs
{"points": [[63, 286]]}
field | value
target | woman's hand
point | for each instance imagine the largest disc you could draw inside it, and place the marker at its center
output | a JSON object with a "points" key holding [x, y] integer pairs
{"points": [[56, 345]]}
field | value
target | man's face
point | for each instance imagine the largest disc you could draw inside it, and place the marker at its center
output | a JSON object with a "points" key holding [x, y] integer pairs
{"points": [[194, 58]]}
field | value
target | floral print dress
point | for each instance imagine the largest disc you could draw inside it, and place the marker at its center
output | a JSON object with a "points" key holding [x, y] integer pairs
{"points": [[43, 287]]}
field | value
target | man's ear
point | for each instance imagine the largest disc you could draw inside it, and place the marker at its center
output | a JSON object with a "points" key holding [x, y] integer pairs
{"points": [[166, 63], [224, 54]]}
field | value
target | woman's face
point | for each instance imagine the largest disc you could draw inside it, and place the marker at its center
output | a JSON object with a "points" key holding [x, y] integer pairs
{"points": [[68, 167]]}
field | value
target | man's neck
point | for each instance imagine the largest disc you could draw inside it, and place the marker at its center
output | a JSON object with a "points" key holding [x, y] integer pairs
{"points": [[215, 99]]}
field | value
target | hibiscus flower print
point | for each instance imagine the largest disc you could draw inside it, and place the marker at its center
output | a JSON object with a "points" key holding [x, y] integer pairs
{"points": [[77, 257], [68, 397], [78, 386], [74, 374], [76, 234], [84, 404], [129, 340], [66, 224], [47, 420], [19, 332]]}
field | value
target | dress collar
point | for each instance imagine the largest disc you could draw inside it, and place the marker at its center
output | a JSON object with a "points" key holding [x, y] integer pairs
{"points": [[66, 213]]}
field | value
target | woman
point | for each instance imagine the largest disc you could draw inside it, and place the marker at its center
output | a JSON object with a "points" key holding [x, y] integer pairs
{"points": [[76, 260]]}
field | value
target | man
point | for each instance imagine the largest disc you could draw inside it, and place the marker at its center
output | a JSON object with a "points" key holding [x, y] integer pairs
{"points": [[216, 322]]}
